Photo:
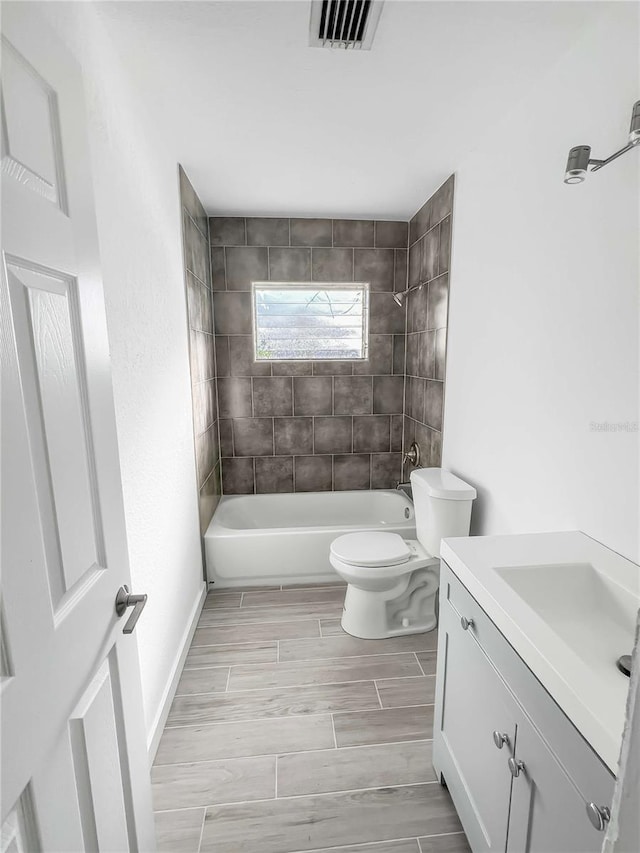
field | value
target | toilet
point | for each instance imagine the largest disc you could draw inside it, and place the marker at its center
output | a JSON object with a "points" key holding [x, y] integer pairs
{"points": [[393, 582]]}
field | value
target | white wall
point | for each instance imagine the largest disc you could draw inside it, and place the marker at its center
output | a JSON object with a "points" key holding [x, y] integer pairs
{"points": [[138, 210], [544, 304]]}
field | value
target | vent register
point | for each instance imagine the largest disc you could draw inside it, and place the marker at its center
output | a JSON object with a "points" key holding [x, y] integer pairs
{"points": [[344, 24]]}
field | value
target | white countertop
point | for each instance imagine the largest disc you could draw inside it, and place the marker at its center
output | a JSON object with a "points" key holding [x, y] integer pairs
{"points": [[568, 606]]}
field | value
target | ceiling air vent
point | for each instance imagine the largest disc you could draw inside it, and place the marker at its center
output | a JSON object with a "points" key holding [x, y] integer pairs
{"points": [[344, 23]]}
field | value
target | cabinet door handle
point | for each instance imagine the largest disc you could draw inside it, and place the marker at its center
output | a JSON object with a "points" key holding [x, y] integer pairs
{"points": [[466, 623], [515, 767], [599, 816], [500, 739]]}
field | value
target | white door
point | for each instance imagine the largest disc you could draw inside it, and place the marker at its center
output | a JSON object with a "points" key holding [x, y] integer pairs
{"points": [[74, 763]]}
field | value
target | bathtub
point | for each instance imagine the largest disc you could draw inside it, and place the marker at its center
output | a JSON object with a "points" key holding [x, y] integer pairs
{"points": [[285, 539]]}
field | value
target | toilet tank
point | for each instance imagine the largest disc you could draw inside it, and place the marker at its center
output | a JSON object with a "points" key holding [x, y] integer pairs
{"points": [[442, 504]]}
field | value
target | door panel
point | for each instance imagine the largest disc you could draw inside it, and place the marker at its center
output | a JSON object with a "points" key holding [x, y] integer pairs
{"points": [[74, 763], [548, 814], [475, 703]]}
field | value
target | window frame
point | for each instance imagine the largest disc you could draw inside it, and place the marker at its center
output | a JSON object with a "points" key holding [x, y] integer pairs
{"points": [[364, 286]]}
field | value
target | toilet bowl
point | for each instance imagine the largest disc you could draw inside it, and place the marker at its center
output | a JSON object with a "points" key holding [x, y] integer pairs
{"points": [[392, 583]]}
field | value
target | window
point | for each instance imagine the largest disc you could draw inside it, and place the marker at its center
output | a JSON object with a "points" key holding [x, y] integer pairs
{"points": [[304, 321]]}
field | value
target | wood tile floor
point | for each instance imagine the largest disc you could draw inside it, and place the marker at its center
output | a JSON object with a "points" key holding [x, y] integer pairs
{"points": [[288, 735]]}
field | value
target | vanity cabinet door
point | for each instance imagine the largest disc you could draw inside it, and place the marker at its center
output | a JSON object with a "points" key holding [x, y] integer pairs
{"points": [[472, 704], [548, 813]]}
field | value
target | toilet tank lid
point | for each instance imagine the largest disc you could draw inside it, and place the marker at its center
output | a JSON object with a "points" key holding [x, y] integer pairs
{"points": [[442, 484]]}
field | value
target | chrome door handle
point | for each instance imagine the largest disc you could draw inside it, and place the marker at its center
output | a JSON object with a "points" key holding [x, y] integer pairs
{"points": [[599, 816], [124, 599], [500, 739], [515, 766], [466, 623]]}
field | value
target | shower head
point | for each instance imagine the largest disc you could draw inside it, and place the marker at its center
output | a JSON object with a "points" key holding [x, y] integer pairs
{"points": [[634, 130], [398, 298]]}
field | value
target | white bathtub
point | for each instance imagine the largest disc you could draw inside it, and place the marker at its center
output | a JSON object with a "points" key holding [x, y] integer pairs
{"points": [[285, 539]]}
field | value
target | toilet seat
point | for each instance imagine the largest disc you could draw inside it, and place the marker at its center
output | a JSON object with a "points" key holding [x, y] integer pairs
{"points": [[371, 550]]}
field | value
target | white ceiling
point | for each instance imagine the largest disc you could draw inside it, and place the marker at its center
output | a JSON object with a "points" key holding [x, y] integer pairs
{"points": [[266, 125]]}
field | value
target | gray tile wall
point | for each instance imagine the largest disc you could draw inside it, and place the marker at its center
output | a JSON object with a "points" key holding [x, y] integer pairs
{"points": [[197, 272], [315, 425], [427, 309]]}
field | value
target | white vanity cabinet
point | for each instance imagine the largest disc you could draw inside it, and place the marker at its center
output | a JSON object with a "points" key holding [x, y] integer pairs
{"points": [[520, 774]]}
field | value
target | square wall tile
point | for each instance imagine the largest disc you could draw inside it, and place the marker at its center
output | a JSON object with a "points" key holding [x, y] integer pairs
{"points": [[222, 355], [199, 304], [433, 404], [274, 474], [400, 280], [388, 393], [237, 476], [311, 232], [430, 247], [386, 317], [420, 223], [413, 343], [442, 201], [415, 398], [438, 302], [227, 231], [196, 250], [232, 313], [192, 203], [397, 426], [417, 309], [226, 437], [204, 405], [332, 435], [265, 231], [289, 264], [313, 473], [352, 395], [440, 353], [245, 264], [386, 470], [242, 358], [272, 396], [436, 449], [371, 433], [218, 276], [423, 436], [253, 436], [293, 436], [444, 252], [234, 397], [327, 367], [291, 368], [201, 356], [391, 235], [415, 261], [374, 266], [353, 232], [380, 357], [426, 354], [351, 472], [312, 395], [332, 265], [398, 354]]}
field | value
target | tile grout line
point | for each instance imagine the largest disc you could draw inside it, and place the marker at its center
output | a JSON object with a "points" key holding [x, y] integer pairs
{"points": [[328, 749], [378, 695], [419, 664], [204, 818], [298, 686], [296, 660], [333, 726]]}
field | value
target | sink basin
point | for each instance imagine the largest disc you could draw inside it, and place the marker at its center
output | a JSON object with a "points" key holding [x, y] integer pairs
{"points": [[568, 605], [587, 610]]}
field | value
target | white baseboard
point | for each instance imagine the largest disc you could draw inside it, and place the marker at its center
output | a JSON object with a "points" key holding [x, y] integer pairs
{"points": [[157, 727]]}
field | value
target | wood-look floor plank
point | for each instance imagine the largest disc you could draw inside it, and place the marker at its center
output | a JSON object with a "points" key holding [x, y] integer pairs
{"points": [[323, 672], [402, 692], [346, 646], [235, 740], [407, 845], [381, 766], [454, 843], [226, 634], [274, 613], [332, 627], [222, 599], [179, 831], [223, 655], [427, 661], [282, 702], [206, 783], [334, 595], [326, 820], [388, 725], [204, 680]]}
